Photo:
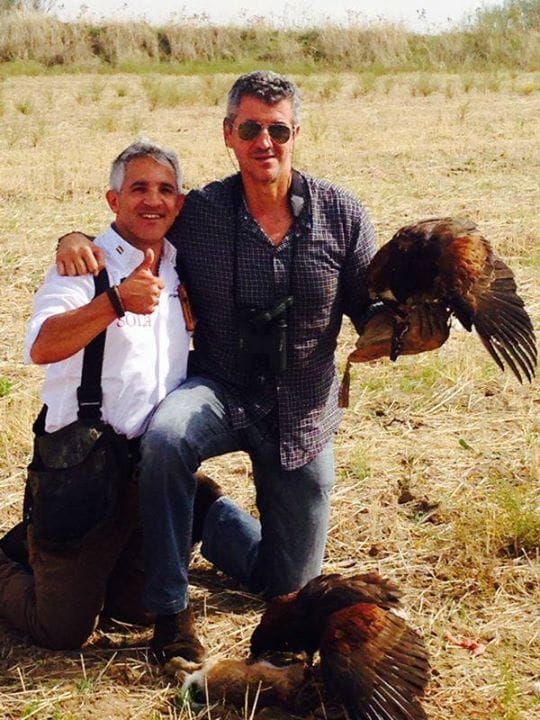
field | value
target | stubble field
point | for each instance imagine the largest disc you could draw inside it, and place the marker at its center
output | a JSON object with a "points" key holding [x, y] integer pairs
{"points": [[438, 455]]}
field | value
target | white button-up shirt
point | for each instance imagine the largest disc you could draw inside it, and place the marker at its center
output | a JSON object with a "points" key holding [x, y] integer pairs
{"points": [[145, 356]]}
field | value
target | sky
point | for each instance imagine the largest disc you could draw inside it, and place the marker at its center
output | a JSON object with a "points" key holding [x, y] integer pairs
{"points": [[421, 15]]}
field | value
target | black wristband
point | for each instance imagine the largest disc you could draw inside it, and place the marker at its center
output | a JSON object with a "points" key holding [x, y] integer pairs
{"points": [[116, 301]]}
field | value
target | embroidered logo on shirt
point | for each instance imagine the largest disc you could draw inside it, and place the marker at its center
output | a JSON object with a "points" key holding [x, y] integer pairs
{"points": [[133, 320]]}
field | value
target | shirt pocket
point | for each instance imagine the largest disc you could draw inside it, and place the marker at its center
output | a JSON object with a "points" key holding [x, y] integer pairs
{"points": [[316, 296], [316, 313]]}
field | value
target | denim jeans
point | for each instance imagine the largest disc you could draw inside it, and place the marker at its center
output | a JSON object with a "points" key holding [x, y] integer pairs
{"points": [[273, 556]]}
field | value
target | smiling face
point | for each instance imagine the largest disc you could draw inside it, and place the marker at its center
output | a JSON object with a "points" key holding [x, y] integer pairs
{"points": [[147, 203], [262, 160]]}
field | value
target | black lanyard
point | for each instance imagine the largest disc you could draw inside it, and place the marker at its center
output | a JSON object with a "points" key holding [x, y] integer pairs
{"points": [[90, 392]]}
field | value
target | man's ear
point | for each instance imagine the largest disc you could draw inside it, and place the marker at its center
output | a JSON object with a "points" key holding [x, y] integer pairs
{"points": [[227, 130], [296, 131], [112, 200], [180, 202]]}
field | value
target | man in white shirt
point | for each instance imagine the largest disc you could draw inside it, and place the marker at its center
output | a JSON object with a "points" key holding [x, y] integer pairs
{"points": [[145, 357]]}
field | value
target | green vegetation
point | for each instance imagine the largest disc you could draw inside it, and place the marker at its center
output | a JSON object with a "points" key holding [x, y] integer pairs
{"points": [[166, 93], [495, 37], [519, 518], [509, 694], [5, 386], [505, 523], [25, 107], [360, 463]]}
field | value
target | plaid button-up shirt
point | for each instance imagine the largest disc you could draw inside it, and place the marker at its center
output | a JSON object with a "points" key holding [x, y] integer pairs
{"points": [[333, 242]]}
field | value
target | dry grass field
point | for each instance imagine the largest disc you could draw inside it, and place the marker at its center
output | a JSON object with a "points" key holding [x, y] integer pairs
{"points": [[438, 455]]}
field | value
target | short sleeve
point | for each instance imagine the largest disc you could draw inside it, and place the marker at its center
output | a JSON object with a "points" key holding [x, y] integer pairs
{"points": [[58, 294]]}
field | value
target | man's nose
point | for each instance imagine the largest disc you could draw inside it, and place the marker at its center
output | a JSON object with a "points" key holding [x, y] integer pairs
{"points": [[264, 139], [153, 197]]}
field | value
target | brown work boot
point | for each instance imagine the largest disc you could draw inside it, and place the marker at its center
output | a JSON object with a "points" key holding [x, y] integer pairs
{"points": [[174, 637], [208, 491], [15, 545]]}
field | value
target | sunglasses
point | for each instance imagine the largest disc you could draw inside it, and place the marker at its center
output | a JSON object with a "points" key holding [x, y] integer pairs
{"points": [[249, 129]]}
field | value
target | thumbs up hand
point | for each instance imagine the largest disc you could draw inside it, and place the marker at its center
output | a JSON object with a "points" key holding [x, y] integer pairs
{"points": [[141, 290], [148, 259]]}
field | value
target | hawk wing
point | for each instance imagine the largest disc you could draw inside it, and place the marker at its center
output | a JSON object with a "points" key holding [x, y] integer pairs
{"points": [[326, 594], [447, 262], [374, 664], [503, 324]]}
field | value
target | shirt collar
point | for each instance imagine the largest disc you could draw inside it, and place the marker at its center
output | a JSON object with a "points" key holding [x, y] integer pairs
{"points": [[298, 193], [125, 254]]}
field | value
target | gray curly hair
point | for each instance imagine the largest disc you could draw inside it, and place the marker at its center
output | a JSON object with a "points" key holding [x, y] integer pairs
{"points": [[267, 86]]}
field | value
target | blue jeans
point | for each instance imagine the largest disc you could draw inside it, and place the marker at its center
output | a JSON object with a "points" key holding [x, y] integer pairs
{"points": [[275, 555]]}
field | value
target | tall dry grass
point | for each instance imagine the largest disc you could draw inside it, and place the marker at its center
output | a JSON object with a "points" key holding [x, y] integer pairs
{"points": [[438, 456], [506, 37]]}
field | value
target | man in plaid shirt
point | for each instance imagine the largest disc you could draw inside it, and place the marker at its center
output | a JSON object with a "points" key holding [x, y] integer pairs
{"points": [[268, 239]]}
